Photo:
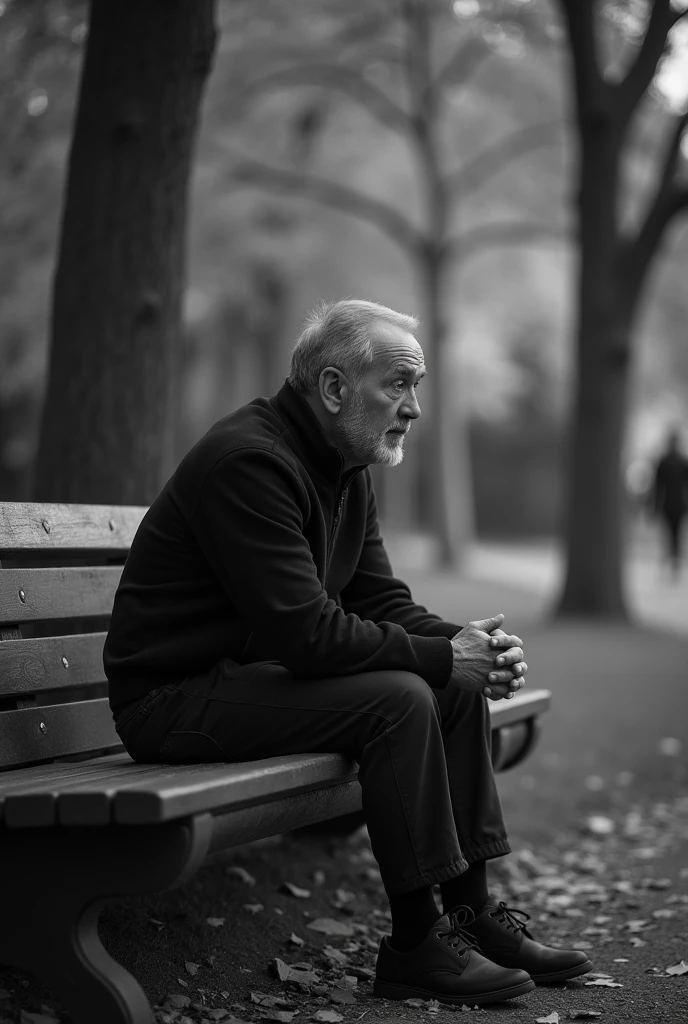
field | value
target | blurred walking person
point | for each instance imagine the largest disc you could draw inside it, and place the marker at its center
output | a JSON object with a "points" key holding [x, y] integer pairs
{"points": [[670, 497]]}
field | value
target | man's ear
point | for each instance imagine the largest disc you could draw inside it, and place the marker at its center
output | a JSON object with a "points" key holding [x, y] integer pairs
{"points": [[333, 388]]}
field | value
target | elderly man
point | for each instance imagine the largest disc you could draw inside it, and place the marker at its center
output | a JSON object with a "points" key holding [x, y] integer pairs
{"points": [[258, 615]]}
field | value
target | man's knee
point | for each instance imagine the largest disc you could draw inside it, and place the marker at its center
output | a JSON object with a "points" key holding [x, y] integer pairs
{"points": [[404, 692]]}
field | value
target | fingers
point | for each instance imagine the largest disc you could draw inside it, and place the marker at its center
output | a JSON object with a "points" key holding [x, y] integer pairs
{"points": [[496, 691], [487, 625], [510, 657], [503, 640]]}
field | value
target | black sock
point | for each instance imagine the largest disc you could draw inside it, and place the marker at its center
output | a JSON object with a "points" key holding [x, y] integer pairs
{"points": [[468, 889], [413, 914]]}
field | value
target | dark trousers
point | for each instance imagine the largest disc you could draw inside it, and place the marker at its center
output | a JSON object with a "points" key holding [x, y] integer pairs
{"points": [[429, 794]]}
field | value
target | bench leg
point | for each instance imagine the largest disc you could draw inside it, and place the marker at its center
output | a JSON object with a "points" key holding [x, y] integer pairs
{"points": [[52, 888]]}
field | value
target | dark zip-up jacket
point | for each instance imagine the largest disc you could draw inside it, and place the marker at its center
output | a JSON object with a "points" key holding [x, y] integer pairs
{"points": [[259, 548]]}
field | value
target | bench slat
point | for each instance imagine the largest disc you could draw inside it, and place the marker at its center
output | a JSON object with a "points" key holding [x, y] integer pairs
{"points": [[30, 595], [28, 526], [73, 728], [74, 801], [50, 663], [523, 705]]}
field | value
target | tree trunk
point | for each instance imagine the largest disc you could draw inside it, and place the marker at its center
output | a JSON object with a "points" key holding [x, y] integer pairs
{"points": [[445, 464], [117, 292], [594, 541]]}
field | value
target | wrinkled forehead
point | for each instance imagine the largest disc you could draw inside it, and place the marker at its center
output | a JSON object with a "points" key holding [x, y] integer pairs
{"points": [[393, 346]]}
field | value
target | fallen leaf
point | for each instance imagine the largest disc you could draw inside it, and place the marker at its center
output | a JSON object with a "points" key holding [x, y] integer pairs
{"points": [[263, 999], [182, 982], [295, 890], [336, 955], [605, 983], [634, 926], [327, 1016], [362, 973], [293, 973], [176, 1000], [296, 940], [551, 1018], [416, 1004], [215, 922], [636, 941], [621, 960], [278, 910], [284, 1016], [342, 995], [253, 908], [241, 873], [584, 1014], [664, 913], [192, 968], [328, 926], [319, 878], [346, 981], [680, 968]]}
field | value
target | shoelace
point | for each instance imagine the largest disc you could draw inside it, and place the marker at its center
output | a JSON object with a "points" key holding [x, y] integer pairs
{"points": [[510, 918], [455, 934]]}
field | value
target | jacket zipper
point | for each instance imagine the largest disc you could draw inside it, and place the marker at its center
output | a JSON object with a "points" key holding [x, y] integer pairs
{"points": [[335, 522]]}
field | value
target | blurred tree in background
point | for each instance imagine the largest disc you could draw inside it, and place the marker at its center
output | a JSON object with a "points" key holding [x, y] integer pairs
{"points": [[616, 51], [403, 64]]}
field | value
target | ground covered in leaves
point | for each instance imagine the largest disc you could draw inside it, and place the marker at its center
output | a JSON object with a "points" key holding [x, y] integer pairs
{"points": [[287, 930]]}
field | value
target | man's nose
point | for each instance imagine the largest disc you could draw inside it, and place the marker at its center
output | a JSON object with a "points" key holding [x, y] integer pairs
{"points": [[409, 407]]}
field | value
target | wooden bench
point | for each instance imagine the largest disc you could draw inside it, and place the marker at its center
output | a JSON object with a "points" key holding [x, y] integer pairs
{"points": [[79, 820]]}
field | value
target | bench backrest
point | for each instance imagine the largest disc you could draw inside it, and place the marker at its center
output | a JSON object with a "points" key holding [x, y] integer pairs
{"points": [[59, 569]]}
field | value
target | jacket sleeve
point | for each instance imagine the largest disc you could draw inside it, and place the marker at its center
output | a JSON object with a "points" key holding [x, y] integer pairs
{"points": [[249, 523], [375, 593]]}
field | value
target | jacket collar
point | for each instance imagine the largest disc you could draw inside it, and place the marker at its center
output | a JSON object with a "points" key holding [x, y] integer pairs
{"points": [[308, 433]]}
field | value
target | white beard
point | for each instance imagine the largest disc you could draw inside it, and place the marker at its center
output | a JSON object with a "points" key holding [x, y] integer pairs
{"points": [[355, 439]]}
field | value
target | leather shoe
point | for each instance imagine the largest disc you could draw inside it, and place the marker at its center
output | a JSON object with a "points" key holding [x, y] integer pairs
{"points": [[446, 966], [505, 940]]}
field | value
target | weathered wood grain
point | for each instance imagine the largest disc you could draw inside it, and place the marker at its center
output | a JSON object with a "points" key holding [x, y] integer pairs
{"points": [[29, 595], [51, 663], [72, 728], [35, 526]]}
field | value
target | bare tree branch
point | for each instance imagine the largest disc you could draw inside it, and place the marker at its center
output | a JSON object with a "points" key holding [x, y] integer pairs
{"points": [[331, 76], [641, 72], [668, 200], [589, 85], [493, 158], [462, 64], [491, 236], [330, 193]]}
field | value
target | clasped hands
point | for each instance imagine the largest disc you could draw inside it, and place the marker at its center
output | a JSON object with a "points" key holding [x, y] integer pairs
{"points": [[487, 660]]}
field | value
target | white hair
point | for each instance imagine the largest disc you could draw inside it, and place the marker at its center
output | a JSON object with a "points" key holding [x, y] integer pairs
{"points": [[337, 334]]}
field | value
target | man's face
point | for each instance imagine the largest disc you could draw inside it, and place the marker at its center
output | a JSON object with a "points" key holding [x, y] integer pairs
{"points": [[371, 427]]}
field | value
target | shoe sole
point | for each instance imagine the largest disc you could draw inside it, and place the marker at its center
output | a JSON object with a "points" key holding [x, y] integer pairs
{"points": [[571, 972], [388, 990]]}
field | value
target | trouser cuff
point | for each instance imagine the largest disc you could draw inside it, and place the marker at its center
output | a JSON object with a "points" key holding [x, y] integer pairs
{"points": [[432, 876], [485, 851]]}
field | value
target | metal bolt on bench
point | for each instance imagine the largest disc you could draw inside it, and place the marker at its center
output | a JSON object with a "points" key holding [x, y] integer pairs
{"points": [[79, 820]]}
